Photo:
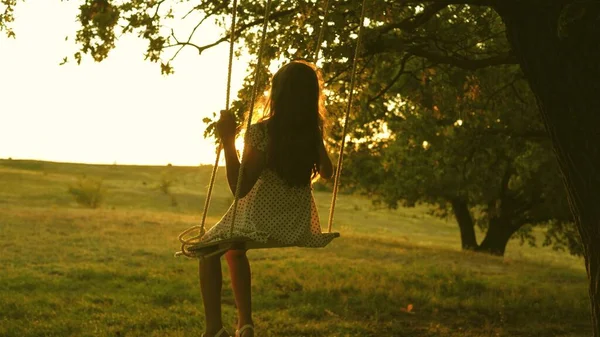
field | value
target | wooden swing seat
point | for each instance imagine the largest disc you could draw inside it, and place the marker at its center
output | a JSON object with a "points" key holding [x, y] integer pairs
{"points": [[242, 243]]}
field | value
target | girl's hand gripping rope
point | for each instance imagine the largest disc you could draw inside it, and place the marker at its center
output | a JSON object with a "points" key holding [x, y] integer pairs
{"points": [[226, 126]]}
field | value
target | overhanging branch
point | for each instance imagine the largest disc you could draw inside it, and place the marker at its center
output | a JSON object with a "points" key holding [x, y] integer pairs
{"points": [[393, 81], [391, 44], [239, 31], [532, 134], [415, 21], [463, 63]]}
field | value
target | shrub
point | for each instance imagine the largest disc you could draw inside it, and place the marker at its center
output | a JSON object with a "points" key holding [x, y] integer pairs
{"points": [[166, 181], [165, 184], [88, 192]]}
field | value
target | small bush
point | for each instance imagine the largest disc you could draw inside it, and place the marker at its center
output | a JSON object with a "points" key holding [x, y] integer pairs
{"points": [[165, 184], [88, 192], [166, 181]]}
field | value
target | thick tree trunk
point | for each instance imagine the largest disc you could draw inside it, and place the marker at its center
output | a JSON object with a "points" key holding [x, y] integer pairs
{"points": [[496, 238], [592, 261], [465, 224], [558, 47]]}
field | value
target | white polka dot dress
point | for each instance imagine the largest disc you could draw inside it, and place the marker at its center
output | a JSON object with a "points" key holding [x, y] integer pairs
{"points": [[272, 210]]}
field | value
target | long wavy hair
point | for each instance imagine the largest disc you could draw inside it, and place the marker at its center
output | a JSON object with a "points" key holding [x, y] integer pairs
{"points": [[295, 122]]}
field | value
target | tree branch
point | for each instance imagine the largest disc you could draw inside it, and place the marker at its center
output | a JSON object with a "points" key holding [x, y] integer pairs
{"points": [[502, 195], [526, 134], [466, 162], [239, 30], [188, 42], [157, 8], [393, 44], [463, 63], [415, 21], [337, 75], [491, 96], [393, 81]]}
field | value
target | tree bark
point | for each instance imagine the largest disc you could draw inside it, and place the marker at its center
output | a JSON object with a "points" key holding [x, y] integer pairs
{"points": [[465, 224], [592, 262], [497, 237], [557, 44]]}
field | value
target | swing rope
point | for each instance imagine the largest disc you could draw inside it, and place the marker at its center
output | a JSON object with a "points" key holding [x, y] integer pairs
{"points": [[338, 170], [227, 103], [213, 174], [238, 186], [321, 31]]}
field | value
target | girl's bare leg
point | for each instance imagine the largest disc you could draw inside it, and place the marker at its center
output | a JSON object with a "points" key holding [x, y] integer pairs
{"points": [[211, 281], [239, 268]]}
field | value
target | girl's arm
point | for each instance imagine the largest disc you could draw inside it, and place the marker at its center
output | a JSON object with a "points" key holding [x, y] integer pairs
{"points": [[326, 167], [254, 160], [253, 165]]}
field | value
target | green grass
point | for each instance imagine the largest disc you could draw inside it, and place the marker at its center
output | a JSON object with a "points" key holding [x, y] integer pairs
{"points": [[70, 271]]}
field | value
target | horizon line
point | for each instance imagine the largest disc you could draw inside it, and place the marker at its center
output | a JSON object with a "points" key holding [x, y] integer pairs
{"points": [[103, 163]]}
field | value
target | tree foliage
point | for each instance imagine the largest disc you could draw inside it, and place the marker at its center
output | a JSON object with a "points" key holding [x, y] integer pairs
{"points": [[7, 8], [472, 143]]}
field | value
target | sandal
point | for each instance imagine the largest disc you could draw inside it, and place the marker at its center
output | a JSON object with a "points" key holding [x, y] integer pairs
{"points": [[238, 333], [220, 333]]}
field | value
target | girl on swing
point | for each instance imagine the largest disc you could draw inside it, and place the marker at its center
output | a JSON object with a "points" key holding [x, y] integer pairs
{"points": [[282, 155]]}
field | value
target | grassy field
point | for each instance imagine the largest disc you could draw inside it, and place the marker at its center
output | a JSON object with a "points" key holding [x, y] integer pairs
{"points": [[67, 270]]}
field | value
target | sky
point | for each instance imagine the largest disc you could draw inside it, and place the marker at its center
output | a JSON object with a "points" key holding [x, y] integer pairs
{"points": [[121, 110]]}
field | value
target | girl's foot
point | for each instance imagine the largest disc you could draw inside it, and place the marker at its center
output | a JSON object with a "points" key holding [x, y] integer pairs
{"points": [[245, 331]]}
